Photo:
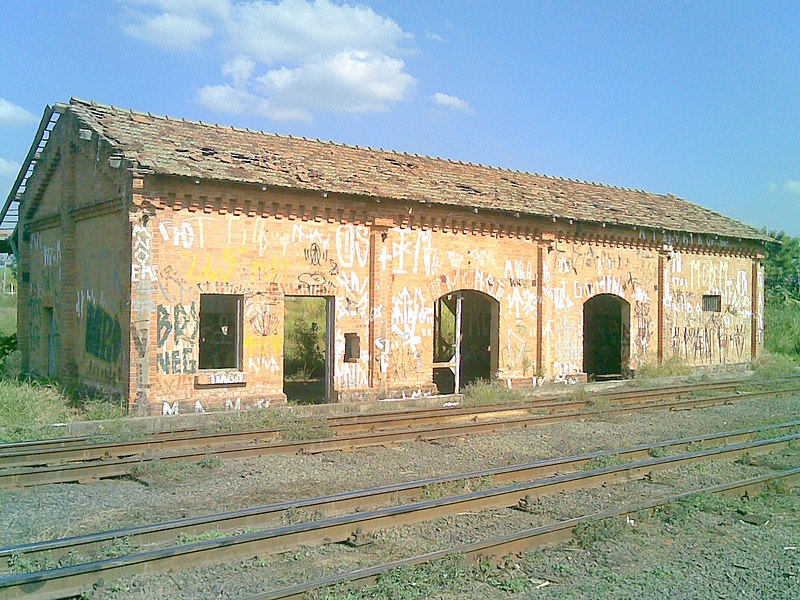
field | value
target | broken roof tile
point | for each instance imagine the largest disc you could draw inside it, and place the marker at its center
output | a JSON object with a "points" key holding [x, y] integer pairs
{"points": [[240, 155]]}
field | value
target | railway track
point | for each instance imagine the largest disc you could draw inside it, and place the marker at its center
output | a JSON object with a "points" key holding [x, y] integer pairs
{"points": [[89, 446], [28, 453], [523, 540], [72, 579], [83, 464]]}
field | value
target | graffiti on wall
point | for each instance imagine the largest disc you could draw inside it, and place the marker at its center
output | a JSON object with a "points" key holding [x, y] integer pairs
{"points": [[177, 329], [260, 312], [706, 337], [581, 271], [143, 273], [103, 334]]}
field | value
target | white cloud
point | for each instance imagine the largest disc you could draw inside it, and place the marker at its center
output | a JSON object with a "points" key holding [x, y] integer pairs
{"points": [[452, 102], [8, 169], [13, 115], [226, 98], [433, 37], [282, 113], [218, 8], [240, 69], [298, 30], [791, 187], [169, 30], [290, 57], [350, 81]]}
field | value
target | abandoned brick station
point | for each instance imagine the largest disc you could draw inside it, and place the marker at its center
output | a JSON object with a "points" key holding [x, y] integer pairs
{"points": [[156, 256]]}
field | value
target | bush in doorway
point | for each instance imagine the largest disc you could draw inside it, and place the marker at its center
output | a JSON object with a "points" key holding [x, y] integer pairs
{"points": [[305, 358], [305, 338]]}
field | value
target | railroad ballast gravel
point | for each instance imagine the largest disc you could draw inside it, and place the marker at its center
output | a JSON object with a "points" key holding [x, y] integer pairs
{"points": [[55, 511]]}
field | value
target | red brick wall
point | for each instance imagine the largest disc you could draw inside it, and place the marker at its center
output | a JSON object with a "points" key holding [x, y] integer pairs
{"points": [[385, 264], [122, 257], [74, 262]]}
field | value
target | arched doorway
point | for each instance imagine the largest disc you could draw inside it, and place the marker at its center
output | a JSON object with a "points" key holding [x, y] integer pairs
{"points": [[606, 336], [466, 330]]}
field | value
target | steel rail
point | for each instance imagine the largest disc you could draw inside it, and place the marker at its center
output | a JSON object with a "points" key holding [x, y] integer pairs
{"points": [[83, 472], [549, 402], [362, 499], [135, 447], [522, 541], [60, 453], [34, 447], [71, 580], [10, 450]]}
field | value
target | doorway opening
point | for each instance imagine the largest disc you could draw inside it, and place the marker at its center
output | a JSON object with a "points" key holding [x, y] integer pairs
{"points": [[466, 331], [606, 338], [308, 349], [50, 330]]}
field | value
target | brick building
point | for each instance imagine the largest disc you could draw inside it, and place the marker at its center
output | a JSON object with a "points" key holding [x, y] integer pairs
{"points": [[156, 256]]}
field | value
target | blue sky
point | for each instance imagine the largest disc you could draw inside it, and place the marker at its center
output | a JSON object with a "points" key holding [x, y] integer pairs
{"points": [[697, 99]]}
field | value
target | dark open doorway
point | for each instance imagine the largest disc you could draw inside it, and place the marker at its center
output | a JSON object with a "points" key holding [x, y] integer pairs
{"points": [[307, 349], [50, 330], [466, 329], [606, 339]]}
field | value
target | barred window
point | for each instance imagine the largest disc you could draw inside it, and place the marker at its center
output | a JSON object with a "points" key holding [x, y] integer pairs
{"points": [[712, 303]]}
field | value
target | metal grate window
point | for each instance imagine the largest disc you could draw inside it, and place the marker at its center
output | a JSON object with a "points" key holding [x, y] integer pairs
{"points": [[352, 347], [712, 303]]}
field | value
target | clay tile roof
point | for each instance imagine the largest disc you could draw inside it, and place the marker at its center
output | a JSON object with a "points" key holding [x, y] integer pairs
{"points": [[189, 148]]}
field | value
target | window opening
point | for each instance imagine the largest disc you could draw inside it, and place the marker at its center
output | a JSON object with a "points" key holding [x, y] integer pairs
{"points": [[220, 331], [712, 303], [352, 347]]}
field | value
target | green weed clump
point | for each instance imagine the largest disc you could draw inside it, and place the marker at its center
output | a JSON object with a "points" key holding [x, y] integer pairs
{"points": [[581, 394], [291, 426], [600, 403], [98, 409], [674, 366], [121, 546], [774, 365], [411, 583], [8, 315], [310, 428], [782, 329], [213, 534], [246, 420], [176, 471], [659, 451], [28, 409], [459, 487], [491, 392], [201, 536], [592, 532], [604, 461], [22, 563], [682, 510], [448, 577]]}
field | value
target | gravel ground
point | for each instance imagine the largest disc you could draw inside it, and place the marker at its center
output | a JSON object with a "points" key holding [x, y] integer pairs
{"points": [[55, 511], [246, 577]]}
